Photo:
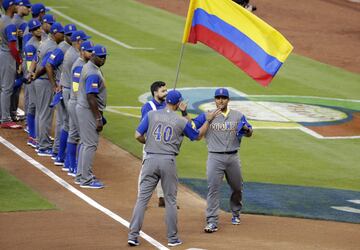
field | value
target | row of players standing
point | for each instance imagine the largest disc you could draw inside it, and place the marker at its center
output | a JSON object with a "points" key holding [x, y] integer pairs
{"points": [[61, 71]]}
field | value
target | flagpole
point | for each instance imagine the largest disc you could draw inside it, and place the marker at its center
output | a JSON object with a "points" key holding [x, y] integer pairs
{"points": [[179, 64]]}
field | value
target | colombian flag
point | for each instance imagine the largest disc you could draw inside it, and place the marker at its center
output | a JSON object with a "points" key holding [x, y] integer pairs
{"points": [[240, 36]]}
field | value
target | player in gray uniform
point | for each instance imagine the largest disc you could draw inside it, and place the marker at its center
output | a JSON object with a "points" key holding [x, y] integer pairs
{"points": [[165, 131], [10, 62], [223, 141], [74, 137], [61, 136], [23, 9], [30, 52], [44, 89], [77, 37], [89, 110]]}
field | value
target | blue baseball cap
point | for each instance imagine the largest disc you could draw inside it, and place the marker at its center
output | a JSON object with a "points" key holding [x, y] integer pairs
{"points": [[69, 29], [56, 28], [7, 3], [48, 18], [22, 27], [174, 97], [23, 3], [222, 92], [56, 99], [87, 45], [79, 35], [34, 24], [99, 50], [37, 8]]}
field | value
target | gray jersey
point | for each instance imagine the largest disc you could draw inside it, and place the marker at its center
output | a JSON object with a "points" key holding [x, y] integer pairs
{"points": [[221, 135], [44, 51], [165, 132], [76, 72], [89, 71], [66, 74], [5, 22], [64, 46]]}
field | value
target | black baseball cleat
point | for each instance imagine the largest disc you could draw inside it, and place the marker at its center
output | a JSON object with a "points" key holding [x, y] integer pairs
{"points": [[133, 243]]}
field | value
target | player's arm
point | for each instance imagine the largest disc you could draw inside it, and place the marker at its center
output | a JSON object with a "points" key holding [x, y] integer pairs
{"points": [[11, 35], [244, 128], [184, 113], [30, 55], [145, 109], [197, 134], [142, 129], [92, 83], [55, 59]]}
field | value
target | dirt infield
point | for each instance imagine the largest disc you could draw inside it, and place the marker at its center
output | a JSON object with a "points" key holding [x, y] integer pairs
{"points": [[314, 29]]}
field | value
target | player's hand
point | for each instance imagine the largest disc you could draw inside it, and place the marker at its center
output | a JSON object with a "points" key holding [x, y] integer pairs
{"points": [[99, 125], [57, 88], [19, 69], [183, 106], [211, 115], [20, 33]]}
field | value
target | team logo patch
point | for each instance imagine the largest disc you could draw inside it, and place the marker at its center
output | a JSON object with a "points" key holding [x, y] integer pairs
{"points": [[77, 74], [52, 56], [94, 85]]}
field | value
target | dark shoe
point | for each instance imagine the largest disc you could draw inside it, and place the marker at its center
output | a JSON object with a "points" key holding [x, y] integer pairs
{"points": [[161, 202], [210, 228], [133, 243]]}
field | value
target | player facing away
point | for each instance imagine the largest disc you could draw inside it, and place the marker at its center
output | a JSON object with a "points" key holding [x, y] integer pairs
{"points": [[158, 91], [223, 140], [165, 131]]}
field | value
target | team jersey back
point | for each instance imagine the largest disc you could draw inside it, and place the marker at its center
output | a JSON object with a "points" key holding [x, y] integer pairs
{"points": [[66, 75], [165, 132], [76, 73], [221, 135], [89, 71]]}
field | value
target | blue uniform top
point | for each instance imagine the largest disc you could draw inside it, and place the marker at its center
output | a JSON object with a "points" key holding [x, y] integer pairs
{"points": [[147, 107]]}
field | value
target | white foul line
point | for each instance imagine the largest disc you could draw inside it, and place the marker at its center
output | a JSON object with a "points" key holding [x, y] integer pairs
{"points": [[79, 194], [348, 209], [78, 23]]}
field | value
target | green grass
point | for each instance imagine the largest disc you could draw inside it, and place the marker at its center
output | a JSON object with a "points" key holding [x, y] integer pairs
{"points": [[284, 157], [15, 196]]}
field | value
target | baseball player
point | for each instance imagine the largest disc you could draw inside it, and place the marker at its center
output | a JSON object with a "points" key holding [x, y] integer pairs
{"points": [[89, 110], [74, 137], [23, 9], [70, 57], [47, 21], [10, 62], [30, 51], [44, 89], [165, 131], [158, 91], [60, 140], [38, 11], [223, 141]]}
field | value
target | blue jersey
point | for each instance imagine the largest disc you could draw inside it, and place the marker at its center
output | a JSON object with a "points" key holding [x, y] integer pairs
{"points": [[151, 105]]}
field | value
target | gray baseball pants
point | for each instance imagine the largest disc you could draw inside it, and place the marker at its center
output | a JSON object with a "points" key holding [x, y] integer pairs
{"points": [[89, 139], [74, 136], [58, 124], [219, 165], [7, 80], [30, 91], [44, 114], [155, 167], [65, 113]]}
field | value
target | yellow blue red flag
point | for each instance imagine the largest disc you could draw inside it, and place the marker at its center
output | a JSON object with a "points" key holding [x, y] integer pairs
{"points": [[240, 36]]}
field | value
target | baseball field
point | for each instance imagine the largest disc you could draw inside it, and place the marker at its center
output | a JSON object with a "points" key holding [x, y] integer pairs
{"points": [[302, 161]]}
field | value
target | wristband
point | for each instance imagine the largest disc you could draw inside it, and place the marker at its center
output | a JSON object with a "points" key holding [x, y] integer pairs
{"points": [[184, 113]]}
